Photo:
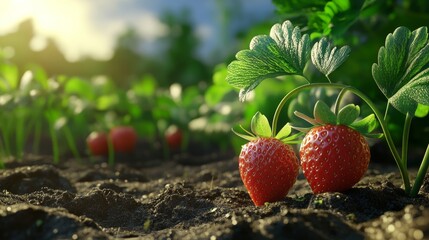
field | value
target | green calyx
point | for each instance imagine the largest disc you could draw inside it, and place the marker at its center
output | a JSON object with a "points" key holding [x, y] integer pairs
{"points": [[348, 116], [260, 128]]}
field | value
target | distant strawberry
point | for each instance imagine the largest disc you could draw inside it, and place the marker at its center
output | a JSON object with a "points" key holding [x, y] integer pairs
{"points": [[174, 137], [97, 143], [124, 138], [334, 154], [268, 166]]}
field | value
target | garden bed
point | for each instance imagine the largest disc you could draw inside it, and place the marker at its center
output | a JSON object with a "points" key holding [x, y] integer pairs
{"points": [[172, 200]]}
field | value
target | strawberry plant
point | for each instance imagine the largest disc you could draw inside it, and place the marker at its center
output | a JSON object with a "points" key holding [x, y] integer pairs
{"points": [[401, 73]]}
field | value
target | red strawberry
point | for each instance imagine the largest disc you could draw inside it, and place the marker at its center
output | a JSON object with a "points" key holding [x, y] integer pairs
{"points": [[334, 153], [268, 166], [333, 158]]}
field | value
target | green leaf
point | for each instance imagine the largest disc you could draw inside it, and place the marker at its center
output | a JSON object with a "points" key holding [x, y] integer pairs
{"points": [[323, 114], [284, 132], [284, 52], [244, 136], [306, 118], [402, 71], [348, 114], [365, 125], [422, 110], [220, 88], [9, 77], [80, 87], [326, 58], [292, 6], [144, 87], [373, 135], [260, 125], [335, 18]]}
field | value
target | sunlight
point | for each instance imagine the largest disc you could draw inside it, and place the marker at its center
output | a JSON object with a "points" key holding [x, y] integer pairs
{"points": [[69, 22]]}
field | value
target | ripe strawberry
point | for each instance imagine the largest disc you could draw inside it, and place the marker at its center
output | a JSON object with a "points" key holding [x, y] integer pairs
{"points": [[334, 154], [97, 143], [124, 138], [333, 158], [268, 166], [174, 137]]}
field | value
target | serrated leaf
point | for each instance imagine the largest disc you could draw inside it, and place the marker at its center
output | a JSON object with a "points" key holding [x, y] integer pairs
{"points": [[348, 114], [260, 125], [284, 52], [284, 132], [323, 114], [365, 125], [402, 71], [326, 57]]}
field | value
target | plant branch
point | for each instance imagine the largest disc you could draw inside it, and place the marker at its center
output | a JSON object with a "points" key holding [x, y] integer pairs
{"points": [[405, 137], [387, 111], [327, 77], [338, 100], [421, 174]]}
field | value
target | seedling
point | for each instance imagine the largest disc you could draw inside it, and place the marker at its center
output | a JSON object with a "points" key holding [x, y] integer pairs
{"points": [[401, 73]]}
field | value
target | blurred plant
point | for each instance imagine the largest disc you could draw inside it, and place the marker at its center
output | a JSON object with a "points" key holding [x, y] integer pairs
{"points": [[179, 63]]}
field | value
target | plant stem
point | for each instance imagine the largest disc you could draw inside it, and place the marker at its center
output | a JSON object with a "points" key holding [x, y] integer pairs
{"points": [[71, 142], [387, 111], [388, 137], [286, 98], [55, 144], [327, 77], [37, 136], [111, 153], [405, 137], [338, 100], [421, 174], [20, 134]]}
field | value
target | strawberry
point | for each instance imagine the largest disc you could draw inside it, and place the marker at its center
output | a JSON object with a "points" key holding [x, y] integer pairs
{"points": [[268, 167], [333, 158], [334, 153]]}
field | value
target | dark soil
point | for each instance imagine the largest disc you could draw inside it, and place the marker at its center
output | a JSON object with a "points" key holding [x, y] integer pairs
{"points": [[173, 200]]}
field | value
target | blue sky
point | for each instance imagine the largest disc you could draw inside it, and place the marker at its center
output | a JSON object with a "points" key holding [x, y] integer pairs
{"points": [[90, 27]]}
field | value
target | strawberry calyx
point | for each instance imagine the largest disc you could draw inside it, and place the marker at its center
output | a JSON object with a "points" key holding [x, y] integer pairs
{"points": [[347, 116], [260, 128]]}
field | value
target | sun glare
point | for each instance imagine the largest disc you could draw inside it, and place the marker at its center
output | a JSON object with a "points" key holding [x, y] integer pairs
{"points": [[66, 21]]}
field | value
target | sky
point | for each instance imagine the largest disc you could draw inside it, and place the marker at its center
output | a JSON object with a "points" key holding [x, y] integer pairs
{"points": [[90, 27]]}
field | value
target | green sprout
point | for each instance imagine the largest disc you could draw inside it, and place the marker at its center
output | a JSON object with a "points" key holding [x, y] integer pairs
{"points": [[401, 73]]}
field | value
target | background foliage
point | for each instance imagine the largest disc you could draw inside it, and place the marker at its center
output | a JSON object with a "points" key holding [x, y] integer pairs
{"points": [[49, 105]]}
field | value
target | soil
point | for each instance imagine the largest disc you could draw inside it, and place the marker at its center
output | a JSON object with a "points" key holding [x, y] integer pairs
{"points": [[181, 199]]}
